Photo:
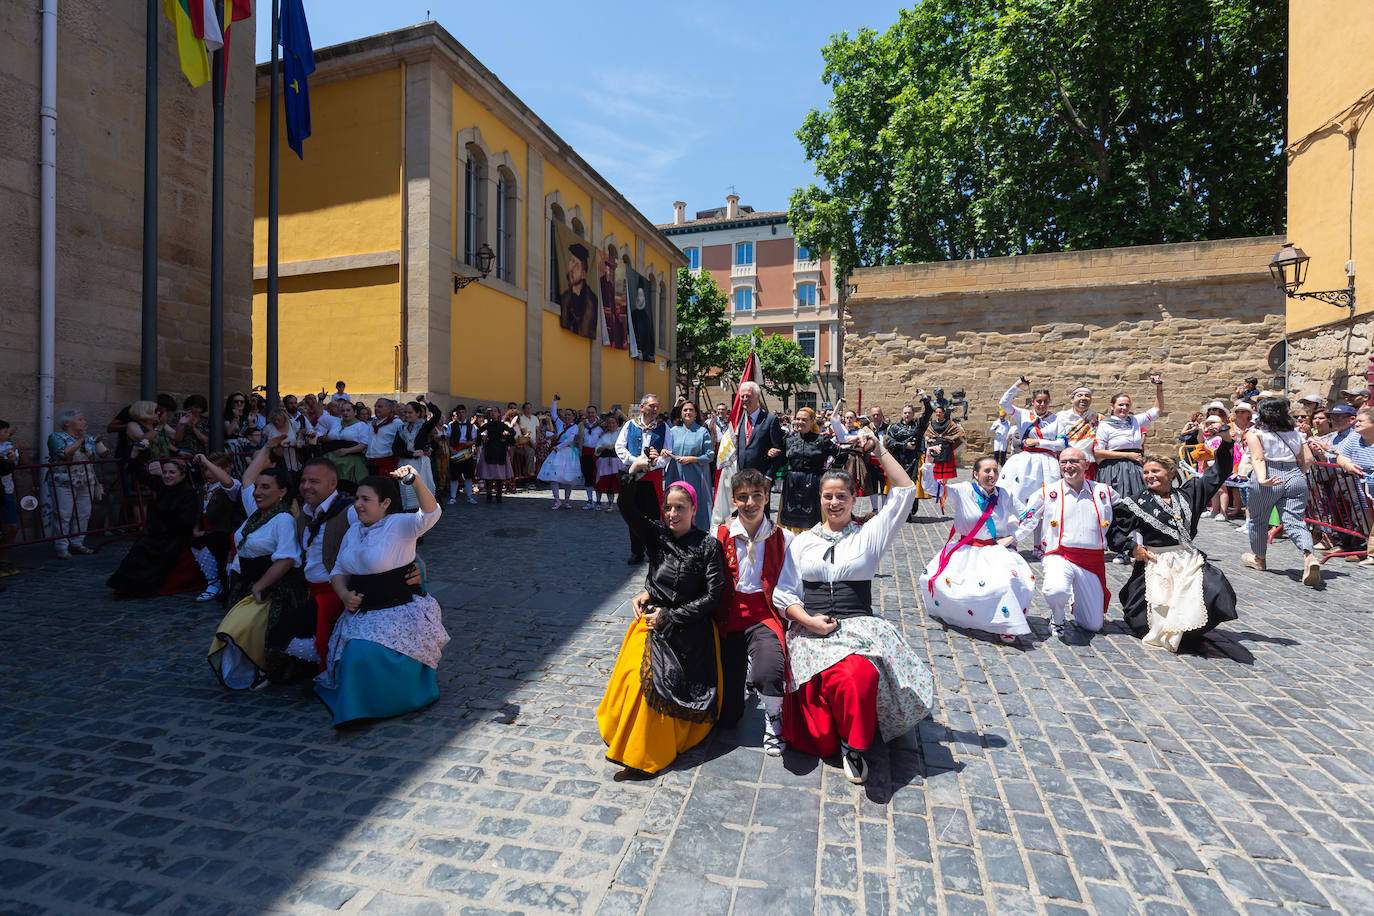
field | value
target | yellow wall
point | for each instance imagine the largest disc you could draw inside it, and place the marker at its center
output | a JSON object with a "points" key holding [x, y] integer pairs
{"points": [[618, 379], [567, 364], [1329, 68], [573, 196], [468, 113], [339, 325], [488, 345], [355, 145]]}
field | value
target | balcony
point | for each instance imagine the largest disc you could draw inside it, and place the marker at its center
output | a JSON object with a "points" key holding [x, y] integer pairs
{"points": [[743, 271], [808, 266]]}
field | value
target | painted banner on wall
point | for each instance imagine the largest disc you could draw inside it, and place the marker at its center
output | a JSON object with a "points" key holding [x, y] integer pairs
{"points": [[641, 295], [578, 303], [615, 323]]}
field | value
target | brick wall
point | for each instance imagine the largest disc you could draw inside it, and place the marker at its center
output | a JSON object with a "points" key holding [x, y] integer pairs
{"points": [[100, 211], [1204, 314]]}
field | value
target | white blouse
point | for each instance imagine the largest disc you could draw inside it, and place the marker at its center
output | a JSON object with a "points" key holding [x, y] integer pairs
{"points": [[358, 432], [856, 556], [384, 545], [1285, 446], [277, 538], [964, 501], [1114, 438]]}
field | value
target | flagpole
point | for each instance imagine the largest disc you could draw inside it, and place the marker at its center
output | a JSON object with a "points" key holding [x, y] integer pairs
{"points": [[272, 207], [147, 380], [217, 257]]}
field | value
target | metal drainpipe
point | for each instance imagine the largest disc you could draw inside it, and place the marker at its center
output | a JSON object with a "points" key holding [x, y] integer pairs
{"points": [[47, 246]]}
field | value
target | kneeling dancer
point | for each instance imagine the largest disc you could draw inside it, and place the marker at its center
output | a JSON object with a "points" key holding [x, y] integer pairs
{"points": [[976, 581], [1174, 595], [1072, 515], [385, 647], [663, 695], [852, 675]]}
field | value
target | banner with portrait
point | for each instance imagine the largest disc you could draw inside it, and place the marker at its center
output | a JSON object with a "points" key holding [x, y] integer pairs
{"points": [[579, 303], [615, 324], [641, 295]]}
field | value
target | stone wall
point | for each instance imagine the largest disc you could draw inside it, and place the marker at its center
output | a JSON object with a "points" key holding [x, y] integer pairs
{"points": [[1326, 359], [1204, 314], [100, 120]]}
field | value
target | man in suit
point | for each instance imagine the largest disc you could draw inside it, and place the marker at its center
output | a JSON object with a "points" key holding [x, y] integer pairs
{"points": [[759, 434]]}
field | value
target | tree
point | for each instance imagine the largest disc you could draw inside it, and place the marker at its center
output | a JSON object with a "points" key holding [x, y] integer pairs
{"points": [[976, 128], [703, 331], [786, 369]]}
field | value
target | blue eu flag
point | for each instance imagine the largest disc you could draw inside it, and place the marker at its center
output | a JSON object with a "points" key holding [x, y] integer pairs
{"points": [[298, 62]]}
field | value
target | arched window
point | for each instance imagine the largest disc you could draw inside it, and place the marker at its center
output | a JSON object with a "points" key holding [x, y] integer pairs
{"points": [[578, 227], [474, 202], [507, 224], [664, 338]]}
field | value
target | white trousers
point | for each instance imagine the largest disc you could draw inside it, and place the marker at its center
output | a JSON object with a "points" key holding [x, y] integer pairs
{"points": [[1065, 584], [73, 513]]}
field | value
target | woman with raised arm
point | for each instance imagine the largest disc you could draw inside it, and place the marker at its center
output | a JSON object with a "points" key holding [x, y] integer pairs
{"points": [[853, 678], [171, 517], [1041, 441], [1120, 442], [664, 693], [269, 604], [385, 648], [412, 446]]}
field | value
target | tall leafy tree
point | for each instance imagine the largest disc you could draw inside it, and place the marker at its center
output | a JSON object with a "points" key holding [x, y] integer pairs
{"points": [[703, 331], [976, 128], [786, 369]]}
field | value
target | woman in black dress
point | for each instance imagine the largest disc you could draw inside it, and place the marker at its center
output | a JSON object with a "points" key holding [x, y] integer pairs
{"points": [[806, 452], [1173, 595], [494, 442], [172, 516]]}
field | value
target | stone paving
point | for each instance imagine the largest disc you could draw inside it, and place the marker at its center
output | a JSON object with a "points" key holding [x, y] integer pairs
{"points": [[1058, 778]]}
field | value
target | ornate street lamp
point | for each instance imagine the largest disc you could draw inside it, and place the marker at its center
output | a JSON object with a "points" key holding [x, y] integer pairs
{"points": [[484, 258], [1289, 269]]}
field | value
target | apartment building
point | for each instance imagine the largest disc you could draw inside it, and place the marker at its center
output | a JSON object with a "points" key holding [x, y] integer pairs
{"points": [[772, 283]]}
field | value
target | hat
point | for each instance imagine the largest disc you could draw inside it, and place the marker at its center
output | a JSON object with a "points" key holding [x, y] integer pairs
{"points": [[1315, 400], [579, 251], [1343, 410], [1270, 393], [1243, 405], [1363, 391], [1217, 405]]}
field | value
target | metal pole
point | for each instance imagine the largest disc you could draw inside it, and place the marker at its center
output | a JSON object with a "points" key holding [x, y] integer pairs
{"points": [[147, 381], [47, 231], [272, 207], [217, 262]]}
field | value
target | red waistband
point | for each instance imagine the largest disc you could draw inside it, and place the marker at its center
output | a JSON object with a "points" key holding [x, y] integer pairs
{"points": [[320, 588], [1089, 558], [1038, 451], [983, 542], [748, 609]]}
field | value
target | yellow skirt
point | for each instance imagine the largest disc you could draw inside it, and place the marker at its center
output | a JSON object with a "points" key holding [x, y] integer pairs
{"points": [[636, 735], [237, 652], [920, 490]]}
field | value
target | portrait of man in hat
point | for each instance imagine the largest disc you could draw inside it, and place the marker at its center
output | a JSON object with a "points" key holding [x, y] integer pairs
{"points": [[578, 305]]}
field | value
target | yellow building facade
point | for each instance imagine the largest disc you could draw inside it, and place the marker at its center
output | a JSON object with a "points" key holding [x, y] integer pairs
{"points": [[1330, 193], [418, 156]]}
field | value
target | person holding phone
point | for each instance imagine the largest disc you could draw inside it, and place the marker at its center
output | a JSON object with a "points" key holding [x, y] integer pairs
{"points": [[853, 677]]}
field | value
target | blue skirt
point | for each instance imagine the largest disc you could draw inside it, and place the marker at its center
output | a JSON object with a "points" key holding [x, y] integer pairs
{"points": [[375, 682]]}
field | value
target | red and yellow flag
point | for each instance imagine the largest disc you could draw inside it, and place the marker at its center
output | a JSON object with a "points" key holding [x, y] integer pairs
{"points": [[198, 36]]}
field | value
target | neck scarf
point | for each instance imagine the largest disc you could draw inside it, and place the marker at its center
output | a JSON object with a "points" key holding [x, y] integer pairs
{"points": [[938, 427], [1113, 420], [259, 518], [988, 504], [833, 538]]}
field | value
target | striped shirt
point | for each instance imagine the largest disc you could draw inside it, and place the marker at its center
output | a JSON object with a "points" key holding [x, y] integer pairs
{"points": [[1363, 455]]}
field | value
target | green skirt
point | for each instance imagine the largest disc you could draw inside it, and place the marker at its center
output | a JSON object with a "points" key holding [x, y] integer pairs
{"points": [[352, 468]]}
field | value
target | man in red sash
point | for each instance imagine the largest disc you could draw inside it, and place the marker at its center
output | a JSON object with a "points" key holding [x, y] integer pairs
{"points": [[1072, 514]]}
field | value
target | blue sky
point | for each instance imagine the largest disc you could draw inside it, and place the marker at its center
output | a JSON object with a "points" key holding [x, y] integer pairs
{"points": [[668, 101]]}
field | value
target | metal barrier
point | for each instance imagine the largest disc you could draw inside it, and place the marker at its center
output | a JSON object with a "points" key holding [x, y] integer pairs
{"points": [[58, 501], [1339, 501]]}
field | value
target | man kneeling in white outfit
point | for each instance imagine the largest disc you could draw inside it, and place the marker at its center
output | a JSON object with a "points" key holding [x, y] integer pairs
{"points": [[1073, 514]]}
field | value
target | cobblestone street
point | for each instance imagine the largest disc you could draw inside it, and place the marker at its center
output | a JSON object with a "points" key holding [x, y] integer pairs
{"points": [[1094, 776]]}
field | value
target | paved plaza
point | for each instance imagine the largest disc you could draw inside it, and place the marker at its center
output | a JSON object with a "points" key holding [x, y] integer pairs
{"points": [[1094, 776]]}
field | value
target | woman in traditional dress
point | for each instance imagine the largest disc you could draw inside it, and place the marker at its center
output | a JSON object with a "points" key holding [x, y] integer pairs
{"points": [[690, 449], [563, 467], [806, 453], [1279, 459], [664, 693], [412, 446], [1120, 442], [608, 465], [1174, 595], [853, 678], [944, 439], [1041, 442], [977, 580], [906, 439], [269, 604], [385, 648], [350, 440], [165, 543], [494, 443]]}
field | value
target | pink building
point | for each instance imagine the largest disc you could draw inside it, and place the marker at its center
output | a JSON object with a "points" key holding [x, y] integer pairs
{"points": [[772, 283]]}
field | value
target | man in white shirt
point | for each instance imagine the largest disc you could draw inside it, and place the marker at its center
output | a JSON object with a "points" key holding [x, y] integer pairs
{"points": [[295, 416], [320, 528], [591, 432], [1079, 425], [1072, 514], [385, 423]]}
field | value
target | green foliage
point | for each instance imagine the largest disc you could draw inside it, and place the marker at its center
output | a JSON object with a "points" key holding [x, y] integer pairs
{"points": [[703, 331], [786, 369], [978, 128]]}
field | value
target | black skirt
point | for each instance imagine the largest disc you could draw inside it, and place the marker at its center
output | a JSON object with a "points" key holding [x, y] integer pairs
{"points": [[1217, 596], [801, 499]]}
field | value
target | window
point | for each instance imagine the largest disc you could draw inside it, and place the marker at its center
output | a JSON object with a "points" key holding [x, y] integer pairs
{"points": [[555, 216], [744, 253], [806, 295], [507, 217], [474, 204], [804, 253], [807, 341], [693, 258], [744, 299], [806, 399]]}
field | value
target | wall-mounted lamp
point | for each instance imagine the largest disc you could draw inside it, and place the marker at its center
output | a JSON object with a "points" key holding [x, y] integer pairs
{"points": [[484, 258], [1289, 269]]}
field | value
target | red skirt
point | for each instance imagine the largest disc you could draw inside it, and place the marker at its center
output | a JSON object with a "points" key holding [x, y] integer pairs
{"points": [[608, 483], [944, 470], [839, 704]]}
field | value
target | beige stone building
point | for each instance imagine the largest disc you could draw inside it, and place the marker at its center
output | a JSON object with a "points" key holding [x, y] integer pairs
{"points": [[100, 120], [1205, 314]]}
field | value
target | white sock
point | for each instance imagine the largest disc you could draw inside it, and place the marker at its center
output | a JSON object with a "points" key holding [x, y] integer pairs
{"points": [[876, 501], [452, 490], [590, 494], [209, 567], [467, 488]]}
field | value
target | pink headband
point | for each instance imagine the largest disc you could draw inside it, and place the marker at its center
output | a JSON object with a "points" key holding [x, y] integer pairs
{"points": [[691, 491]]}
